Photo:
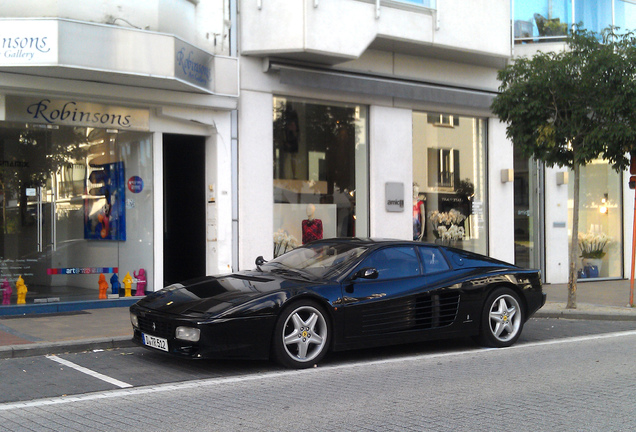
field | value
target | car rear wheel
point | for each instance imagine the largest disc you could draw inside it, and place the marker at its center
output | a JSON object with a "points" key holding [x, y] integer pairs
{"points": [[301, 336], [502, 319]]}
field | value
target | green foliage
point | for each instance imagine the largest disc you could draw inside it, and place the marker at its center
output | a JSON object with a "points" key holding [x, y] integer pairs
{"points": [[570, 107]]}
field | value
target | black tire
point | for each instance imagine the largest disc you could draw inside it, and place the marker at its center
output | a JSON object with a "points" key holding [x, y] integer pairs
{"points": [[301, 335], [502, 319]]}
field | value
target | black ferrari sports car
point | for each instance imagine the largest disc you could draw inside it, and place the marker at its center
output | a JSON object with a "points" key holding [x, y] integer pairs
{"points": [[340, 294]]}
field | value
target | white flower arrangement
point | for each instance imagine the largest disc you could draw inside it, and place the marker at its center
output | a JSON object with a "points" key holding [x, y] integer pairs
{"points": [[453, 233], [283, 242], [446, 224], [593, 245], [453, 217]]}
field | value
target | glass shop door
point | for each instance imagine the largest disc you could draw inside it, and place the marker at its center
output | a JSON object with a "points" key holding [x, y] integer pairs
{"points": [[528, 212]]}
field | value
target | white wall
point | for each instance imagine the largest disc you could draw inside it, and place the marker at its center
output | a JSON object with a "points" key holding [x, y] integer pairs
{"points": [[219, 174], [344, 29], [256, 193], [390, 160], [205, 24], [556, 236], [501, 228], [476, 25], [629, 205]]}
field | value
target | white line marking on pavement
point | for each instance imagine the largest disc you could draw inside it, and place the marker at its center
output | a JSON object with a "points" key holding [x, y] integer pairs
{"points": [[90, 372], [269, 375]]}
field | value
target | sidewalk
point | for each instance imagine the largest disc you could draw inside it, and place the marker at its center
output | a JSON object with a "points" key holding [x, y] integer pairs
{"points": [[106, 328]]}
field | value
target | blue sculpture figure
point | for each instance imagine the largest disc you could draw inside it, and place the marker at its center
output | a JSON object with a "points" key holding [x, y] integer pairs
{"points": [[114, 283]]}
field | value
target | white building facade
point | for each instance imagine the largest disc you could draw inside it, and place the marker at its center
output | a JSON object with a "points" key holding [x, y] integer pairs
{"points": [[187, 137], [116, 138], [373, 103]]}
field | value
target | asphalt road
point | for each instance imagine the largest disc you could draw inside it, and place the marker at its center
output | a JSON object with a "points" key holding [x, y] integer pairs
{"points": [[561, 375]]}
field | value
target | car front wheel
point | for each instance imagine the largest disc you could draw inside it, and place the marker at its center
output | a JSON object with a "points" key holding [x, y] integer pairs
{"points": [[502, 319], [301, 336]]}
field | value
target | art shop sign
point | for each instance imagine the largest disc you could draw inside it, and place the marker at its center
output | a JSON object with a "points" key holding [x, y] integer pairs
{"points": [[193, 65], [24, 43], [74, 113]]}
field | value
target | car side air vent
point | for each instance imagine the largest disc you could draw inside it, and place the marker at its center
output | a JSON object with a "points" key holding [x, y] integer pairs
{"points": [[438, 310]]}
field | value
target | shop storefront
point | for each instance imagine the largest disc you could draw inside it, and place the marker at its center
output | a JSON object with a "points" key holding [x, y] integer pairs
{"points": [[600, 221], [317, 160], [320, 172], [75, 199], [449, 180], [105, 156]]}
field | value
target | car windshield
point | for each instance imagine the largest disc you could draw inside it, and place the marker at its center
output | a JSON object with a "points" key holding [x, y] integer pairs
{"points": [[316, 260]]}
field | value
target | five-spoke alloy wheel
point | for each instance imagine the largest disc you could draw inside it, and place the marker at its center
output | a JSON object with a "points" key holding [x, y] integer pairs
{"points": [[301, 336], [502, 319]]}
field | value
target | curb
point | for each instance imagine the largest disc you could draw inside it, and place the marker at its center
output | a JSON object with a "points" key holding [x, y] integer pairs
{"points": [[38, 349], [585, 316]]}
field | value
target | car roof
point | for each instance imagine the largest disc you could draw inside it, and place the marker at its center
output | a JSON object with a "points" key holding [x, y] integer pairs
{"points": [[371, 241]]}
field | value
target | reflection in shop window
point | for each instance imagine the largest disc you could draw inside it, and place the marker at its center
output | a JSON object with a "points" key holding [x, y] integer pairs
{"points": [[449, 180], [320, 172], [67, 212], [538, 20], [600, 222]]}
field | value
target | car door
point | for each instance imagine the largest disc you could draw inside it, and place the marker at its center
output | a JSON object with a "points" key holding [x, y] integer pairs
{"points": [[439, 303], [385, 301]]}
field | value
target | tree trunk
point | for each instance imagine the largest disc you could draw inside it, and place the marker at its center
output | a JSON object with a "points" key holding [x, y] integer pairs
{"points": [[574, 244]]}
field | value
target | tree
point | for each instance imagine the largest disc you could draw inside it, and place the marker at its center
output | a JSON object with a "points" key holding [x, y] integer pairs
{"points": [[570, 107]]}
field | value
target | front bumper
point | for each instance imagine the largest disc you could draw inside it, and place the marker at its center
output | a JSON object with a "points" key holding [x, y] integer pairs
{"points": [[235, 338]]}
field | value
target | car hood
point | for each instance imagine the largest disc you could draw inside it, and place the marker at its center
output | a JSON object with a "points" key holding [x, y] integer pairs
{"points": [[216, 294]]}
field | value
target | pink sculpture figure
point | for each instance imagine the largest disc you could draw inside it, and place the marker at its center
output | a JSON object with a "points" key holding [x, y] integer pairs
{"points": [[114, 283], [6, 292], [141, 282], [103, 287], [127, 280], [21, 288]]}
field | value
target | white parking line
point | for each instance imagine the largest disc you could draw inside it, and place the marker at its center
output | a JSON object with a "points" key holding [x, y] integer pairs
{"points": [[90, 372], [160, 388]]}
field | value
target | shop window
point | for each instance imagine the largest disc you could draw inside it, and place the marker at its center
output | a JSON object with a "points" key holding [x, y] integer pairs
{"points": [[600, 221], [320, 172], [75, 203], [449, 180]]}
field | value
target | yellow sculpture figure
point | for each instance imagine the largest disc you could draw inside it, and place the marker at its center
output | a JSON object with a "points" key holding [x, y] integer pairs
{"points": [[22, 290], [127, 280], [103, 287]]}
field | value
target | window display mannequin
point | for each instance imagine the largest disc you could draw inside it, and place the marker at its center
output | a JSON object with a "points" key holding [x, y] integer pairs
{"points": [[419, 214], [312, 228]]}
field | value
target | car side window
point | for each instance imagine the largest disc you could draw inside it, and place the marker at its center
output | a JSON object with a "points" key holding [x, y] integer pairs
{"points": [[394, 263], [433, 260]]}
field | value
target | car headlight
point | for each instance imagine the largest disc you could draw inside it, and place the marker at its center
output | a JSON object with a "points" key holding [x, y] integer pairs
{"points": [[188, 334], [133, 320]]}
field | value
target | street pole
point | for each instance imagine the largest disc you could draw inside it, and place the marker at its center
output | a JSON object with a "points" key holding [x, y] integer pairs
{"points": [[632, 185], [631, 281]]}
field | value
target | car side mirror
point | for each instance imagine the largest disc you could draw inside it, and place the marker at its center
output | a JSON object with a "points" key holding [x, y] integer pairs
{"points": [[366, 273], [260, 261]]}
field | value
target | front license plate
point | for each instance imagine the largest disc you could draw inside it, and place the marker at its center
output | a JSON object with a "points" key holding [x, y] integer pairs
{"points": [[155, 342]]}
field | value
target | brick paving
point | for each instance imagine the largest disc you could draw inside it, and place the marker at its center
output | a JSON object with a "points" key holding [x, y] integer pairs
{"points": [[573, 385], [7, 338]]}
